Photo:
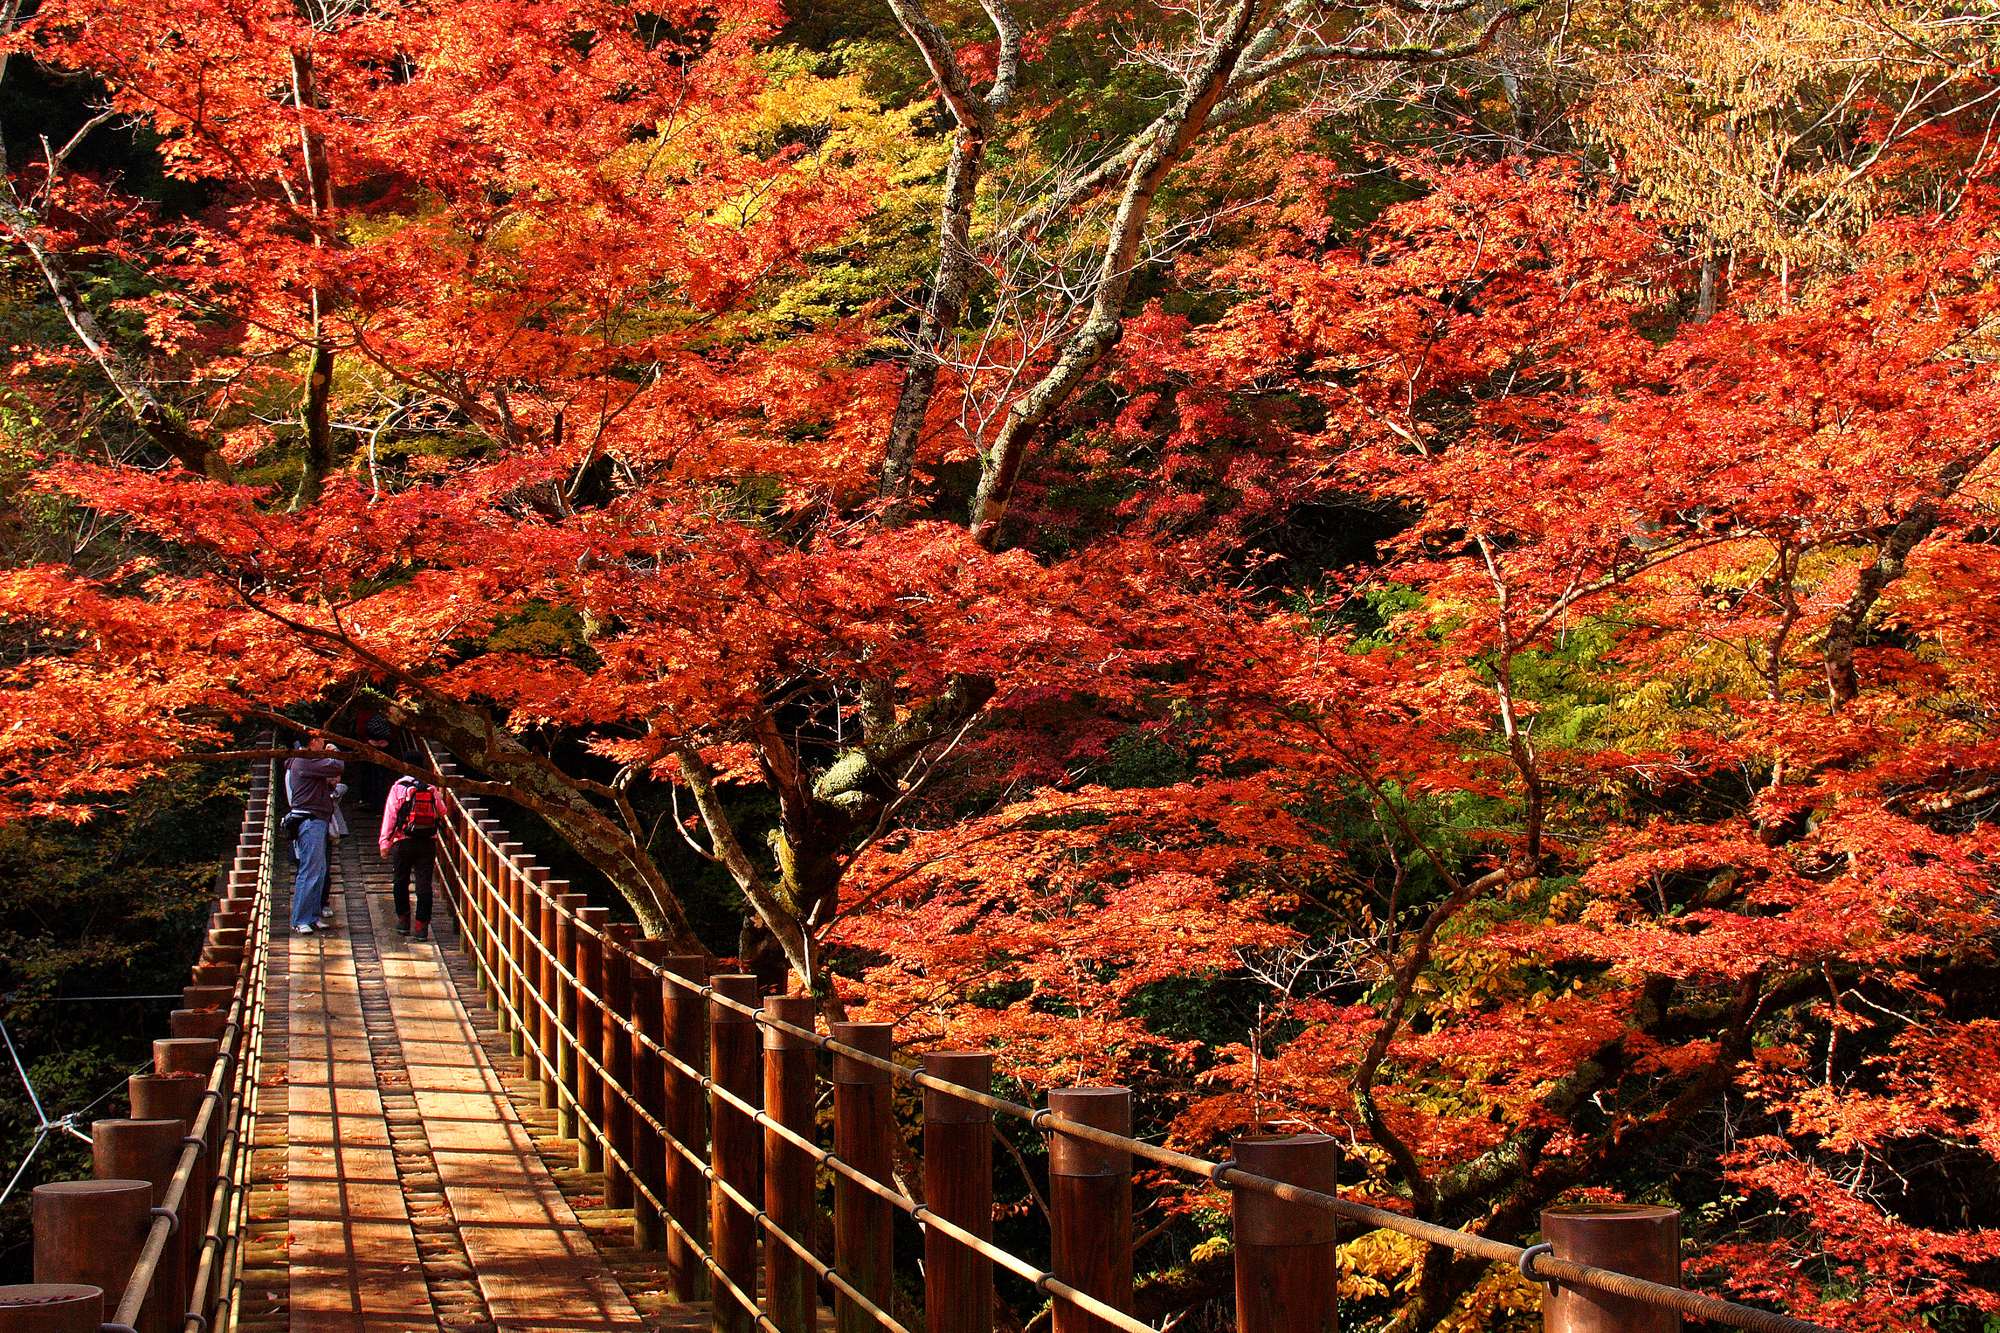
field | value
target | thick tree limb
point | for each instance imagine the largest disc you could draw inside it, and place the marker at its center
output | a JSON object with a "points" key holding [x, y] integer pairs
{"points": [[317, 415], [1104, 323], [957, 267], [161, 423], [1362, 1086], [782, 924]]}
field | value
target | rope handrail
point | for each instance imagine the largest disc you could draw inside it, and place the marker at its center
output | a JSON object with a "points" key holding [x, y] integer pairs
{"points": [[225, 1097], [1042, 1279], [839, 1283], [1534, 1262]]}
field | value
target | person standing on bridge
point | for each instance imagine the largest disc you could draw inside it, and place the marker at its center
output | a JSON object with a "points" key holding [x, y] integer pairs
{"points": [[311, 779], [409, 841]]}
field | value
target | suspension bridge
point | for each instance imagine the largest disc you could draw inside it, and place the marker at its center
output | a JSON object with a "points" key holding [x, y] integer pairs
{"points": [[536, 1120]]}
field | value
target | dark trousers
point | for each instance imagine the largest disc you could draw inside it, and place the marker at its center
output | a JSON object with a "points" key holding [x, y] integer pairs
{"points": [[413, 858]]}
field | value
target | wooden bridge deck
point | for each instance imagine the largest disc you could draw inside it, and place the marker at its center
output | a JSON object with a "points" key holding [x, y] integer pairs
{"points": [[401, 1180]]}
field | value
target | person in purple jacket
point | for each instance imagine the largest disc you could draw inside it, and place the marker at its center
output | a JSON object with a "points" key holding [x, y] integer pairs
{"points": [[311, 778]]}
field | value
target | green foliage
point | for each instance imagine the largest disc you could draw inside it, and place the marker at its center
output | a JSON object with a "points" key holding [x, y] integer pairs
{"points": [[543, 629]]}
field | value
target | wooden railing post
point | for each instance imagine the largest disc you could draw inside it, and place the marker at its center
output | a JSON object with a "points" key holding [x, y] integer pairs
{"points": [[864, 1123], [1287, 1267], [185, 1055], [567, 1011], [51, 1307], [165, 1097], [471, 934], [452, 884], [149, 1150], [213, 974], [1641, 1239], [91, 1232], [590, 1038], [649, 1090], [500, 970], [958, 1186], [461, 828], [541, 1011], [479, 865], [790, 1083], [207, 1023], [514, 945], [192, 1056], [685, 1020], [491, 899], [1090, 1205], [736, 1154], [207, 997], [617, 1059], [547, 981]]}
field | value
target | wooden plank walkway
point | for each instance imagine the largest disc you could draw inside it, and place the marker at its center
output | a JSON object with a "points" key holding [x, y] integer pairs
{"points": [[410, 1193]]}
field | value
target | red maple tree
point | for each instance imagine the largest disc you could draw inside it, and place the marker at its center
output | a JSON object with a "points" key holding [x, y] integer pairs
{"points": [[1633, 797]]}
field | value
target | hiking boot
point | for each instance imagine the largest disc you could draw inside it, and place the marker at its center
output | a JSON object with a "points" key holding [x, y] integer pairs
{"points": [[403, 924], [422, 932]]}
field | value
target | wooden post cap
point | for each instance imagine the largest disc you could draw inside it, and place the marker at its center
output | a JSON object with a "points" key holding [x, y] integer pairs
{"points": [[1641, 1239], [51, 1307], [1108, 1109], [137, 1150], [686, 972], [968, 1069], [185, 1055], [876, 1039], [166, 1097], [738, 986], [1310, 1161], [91, 1231], [207, 997], [206, 1024]]}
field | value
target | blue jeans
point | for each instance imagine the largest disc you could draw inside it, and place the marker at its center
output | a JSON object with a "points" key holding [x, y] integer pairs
{"points": [[309, 885]]}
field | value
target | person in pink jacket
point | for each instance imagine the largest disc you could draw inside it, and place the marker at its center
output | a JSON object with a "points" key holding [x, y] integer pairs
{"points": [[409, 842]]}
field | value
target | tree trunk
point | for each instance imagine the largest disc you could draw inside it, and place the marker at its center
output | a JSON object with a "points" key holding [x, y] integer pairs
{"points": [[1103, 326], [317, 413], [161, 423], [955, 272]]}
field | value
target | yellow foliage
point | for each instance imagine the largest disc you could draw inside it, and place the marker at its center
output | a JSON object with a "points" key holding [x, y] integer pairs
{"points": [[1382, 1264], [1211, 1248], [1502, 1297], [1749, 123], [1378, 1263]]}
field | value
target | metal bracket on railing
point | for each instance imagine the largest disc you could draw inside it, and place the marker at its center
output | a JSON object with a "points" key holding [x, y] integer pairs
{"points": [[1527, 1264], [196, 1315], [199, 1145], [173, 1218], [116, 1328]]}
